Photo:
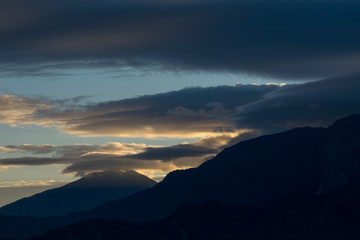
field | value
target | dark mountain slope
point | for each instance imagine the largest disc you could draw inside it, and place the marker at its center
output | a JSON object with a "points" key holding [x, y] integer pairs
{"points": [[297, 216], [302, 216], [83, 194], [342, 150], [257, 171]]}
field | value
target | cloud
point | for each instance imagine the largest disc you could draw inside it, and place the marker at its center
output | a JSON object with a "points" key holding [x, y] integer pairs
{"points": [[33, 161], [83, 159], [317, 103], [14, 110], [42, 149], [6, 150], [194, 112], [16, 184], [78, 150], [164, 159], [19, 110], [188, 113], [218, 116], [289, 39]]}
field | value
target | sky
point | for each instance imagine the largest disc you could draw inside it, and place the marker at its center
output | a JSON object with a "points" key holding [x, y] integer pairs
{"points": [[155, 85]]}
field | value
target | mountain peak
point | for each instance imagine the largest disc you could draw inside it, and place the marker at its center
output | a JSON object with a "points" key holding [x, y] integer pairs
{"points": [[109, 173], [129, 178]]}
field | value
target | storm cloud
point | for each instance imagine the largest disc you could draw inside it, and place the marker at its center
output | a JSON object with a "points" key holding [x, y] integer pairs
{"points": [[287, 39]]}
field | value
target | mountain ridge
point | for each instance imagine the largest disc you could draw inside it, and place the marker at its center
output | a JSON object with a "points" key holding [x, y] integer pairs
{"points": [[256, 171]]}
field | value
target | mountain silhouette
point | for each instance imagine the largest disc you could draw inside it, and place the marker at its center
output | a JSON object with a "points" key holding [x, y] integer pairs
{"points": [[86, 193], [331, 216], [254, 172], [257, 171]]}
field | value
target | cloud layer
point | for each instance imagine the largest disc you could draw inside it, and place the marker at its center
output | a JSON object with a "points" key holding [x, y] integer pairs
{"points": [[217, 116], [290, 39], [188, 113], [83, 159], [194, 112]]}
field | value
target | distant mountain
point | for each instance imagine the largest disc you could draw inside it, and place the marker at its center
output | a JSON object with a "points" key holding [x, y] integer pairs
{"points": [[298, 216], [257, 172], [83, 194]]}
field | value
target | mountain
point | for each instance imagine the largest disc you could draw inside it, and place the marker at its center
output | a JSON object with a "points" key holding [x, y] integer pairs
{"points": [[332, 216], [83, 194], [257, 172]]}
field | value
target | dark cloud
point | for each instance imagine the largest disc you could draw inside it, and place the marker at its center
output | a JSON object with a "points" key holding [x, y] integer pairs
{"points": [[312, 104], [32, 161], [203, 111], [174, 152], [188, 113], [290, 39]]}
